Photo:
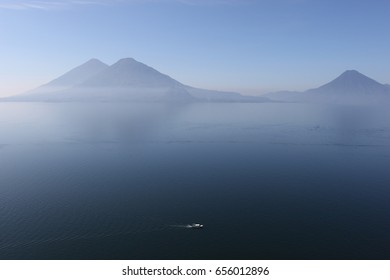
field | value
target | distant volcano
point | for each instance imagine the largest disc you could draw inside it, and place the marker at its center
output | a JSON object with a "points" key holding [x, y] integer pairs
{"points": [[125, 80], [350, 87], [352, 82], [128, 72], [79, 74], [70, 79]]}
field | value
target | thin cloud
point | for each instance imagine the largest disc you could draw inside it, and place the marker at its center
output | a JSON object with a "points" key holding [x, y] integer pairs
{"points": [[64, 4], [48, 5], [211, 2]]}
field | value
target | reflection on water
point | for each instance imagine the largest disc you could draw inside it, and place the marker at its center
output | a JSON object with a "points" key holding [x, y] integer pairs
{"points": [[121, 181]]}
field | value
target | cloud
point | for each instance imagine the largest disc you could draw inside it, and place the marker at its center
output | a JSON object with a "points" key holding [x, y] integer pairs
{"points": [[211, 2], [65, 4], [49, 5]]}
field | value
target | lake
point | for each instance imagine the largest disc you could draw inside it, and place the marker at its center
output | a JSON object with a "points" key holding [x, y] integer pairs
{"points": [[122, 181]]}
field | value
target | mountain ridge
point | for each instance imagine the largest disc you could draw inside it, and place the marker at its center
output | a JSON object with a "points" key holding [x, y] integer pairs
{"points": [[351, 87], [80, 73], [351, 82], [125, 80], [129, 72], [69, 79]]}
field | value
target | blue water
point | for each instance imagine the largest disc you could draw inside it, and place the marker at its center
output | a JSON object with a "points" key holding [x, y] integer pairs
{"points": [[122, 181]]}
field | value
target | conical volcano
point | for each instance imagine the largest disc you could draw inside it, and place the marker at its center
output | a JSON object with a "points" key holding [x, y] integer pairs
{"points": [[128, 72], [126, 80], [351, 87], [352, 82], [79, 74]]}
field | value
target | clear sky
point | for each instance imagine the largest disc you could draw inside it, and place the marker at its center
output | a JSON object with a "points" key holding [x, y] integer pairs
{"points": [[251, 46]]}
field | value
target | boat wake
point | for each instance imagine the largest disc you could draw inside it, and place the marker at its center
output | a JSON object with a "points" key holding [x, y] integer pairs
{"points": [[195, 226], [181, 226]]}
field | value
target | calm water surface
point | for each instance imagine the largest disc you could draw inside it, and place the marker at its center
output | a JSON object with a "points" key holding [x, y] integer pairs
{"points": [[121, 181]]}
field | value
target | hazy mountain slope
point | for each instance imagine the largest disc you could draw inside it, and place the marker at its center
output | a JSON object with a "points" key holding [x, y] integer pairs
{"points": [[71, 78], [285, 96], [128, 72], [134, 78], [222, 96], [351, 87], [79, 74], [126, 80], [351, 82]]}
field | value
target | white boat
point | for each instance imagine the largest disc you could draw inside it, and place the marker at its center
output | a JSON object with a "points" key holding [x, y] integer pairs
{"points": [[196, 226]]}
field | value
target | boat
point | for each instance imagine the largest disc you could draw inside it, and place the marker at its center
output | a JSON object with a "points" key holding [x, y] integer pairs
{"points": [[196, 226]]}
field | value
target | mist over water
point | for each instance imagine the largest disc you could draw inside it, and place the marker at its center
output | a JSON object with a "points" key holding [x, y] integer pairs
{"points": [[124, 181]]}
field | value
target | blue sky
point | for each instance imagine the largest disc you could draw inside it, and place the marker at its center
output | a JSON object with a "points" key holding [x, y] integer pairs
{"points": [[251, 46]]}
